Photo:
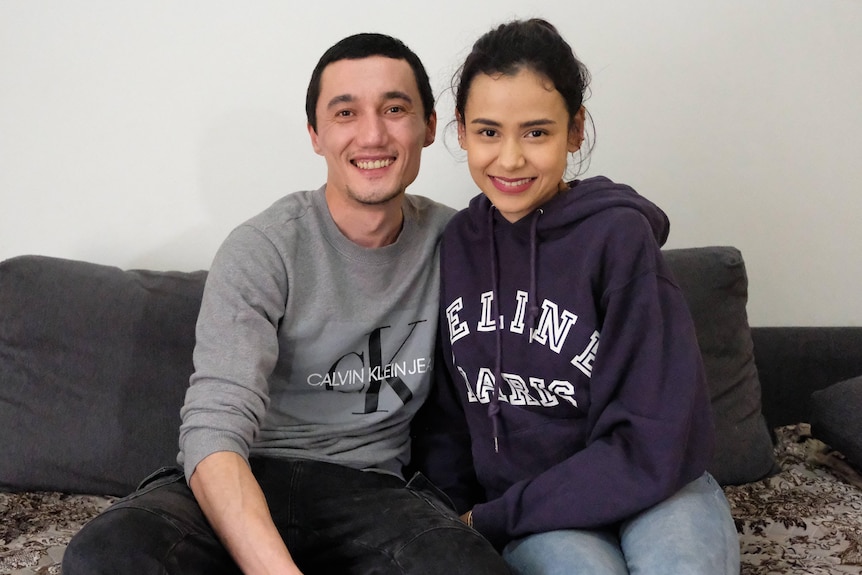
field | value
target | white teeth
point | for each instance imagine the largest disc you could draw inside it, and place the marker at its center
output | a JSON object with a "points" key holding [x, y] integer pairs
{"points": [[515, 183], [373, 164]]}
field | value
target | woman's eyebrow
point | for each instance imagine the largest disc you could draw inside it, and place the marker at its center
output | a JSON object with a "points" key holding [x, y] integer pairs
{"points": [[537, 123], [486, 122], [528, 124]]}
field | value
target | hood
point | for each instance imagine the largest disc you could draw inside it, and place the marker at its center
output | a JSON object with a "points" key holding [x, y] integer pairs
{"points": [[581, 200]]}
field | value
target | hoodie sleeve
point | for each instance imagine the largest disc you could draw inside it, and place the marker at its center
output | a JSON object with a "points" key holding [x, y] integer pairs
{"points": [[650, 426], [441, 447]]}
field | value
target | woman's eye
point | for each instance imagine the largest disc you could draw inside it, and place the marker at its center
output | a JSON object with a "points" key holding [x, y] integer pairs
{"points": [[488, 132], [536, 133]]}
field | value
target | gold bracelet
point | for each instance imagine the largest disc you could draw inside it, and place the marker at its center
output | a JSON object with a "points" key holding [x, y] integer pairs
{"points": [[470, 518]]}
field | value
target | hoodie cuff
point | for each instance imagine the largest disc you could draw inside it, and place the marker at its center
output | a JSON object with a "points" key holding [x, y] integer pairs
{"points": [[488, 523]]}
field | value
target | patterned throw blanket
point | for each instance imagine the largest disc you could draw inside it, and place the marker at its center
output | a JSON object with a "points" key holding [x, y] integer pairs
{"points": [[807, 520]]}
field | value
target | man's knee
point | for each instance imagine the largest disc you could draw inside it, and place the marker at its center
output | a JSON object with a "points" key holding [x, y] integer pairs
{"points": [[121, 540]]}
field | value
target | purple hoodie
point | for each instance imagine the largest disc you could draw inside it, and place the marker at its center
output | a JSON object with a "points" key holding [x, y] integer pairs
{"points": [[572, 359]]}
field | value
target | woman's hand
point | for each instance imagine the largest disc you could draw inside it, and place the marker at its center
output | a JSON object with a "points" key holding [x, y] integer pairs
{"points": [[467, 518]]}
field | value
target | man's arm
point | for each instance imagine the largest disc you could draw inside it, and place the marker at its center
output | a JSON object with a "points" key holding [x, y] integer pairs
{"points": [[232, 500], [235, 352]]}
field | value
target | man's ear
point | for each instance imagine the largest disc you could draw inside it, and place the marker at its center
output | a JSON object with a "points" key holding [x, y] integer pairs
{"points": [[313, 133], [576, 131], [430, 129]]}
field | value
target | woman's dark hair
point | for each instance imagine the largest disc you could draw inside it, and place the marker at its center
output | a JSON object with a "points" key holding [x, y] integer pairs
{"points": [[531, 44], [365, 45]]}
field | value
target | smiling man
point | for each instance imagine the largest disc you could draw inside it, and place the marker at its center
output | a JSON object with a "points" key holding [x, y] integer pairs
{"points": [[314, 347]]}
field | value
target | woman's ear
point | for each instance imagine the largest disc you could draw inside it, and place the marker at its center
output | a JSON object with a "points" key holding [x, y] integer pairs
{"points": [[576, 131], [462, 129]]}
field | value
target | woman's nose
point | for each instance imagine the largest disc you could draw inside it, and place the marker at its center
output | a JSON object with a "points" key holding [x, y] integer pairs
{"points": [[511, 155]]}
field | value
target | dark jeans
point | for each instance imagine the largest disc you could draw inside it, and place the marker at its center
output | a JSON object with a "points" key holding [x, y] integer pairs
{"points": [[333, 519]]}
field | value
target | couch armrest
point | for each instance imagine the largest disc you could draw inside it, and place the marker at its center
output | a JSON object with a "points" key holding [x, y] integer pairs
{"points": [[793, 362]]}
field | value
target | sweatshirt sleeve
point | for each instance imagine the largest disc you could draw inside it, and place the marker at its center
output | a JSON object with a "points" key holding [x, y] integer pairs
{"points": [[236, 348], [650, 426], [441, 447]]}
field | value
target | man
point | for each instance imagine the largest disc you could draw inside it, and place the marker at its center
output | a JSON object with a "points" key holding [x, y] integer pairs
{"points": [[314, 345]]}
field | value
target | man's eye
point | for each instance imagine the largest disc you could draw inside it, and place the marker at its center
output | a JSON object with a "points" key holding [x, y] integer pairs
{"points": [[395, 109], [536, 133], [344, 113]]}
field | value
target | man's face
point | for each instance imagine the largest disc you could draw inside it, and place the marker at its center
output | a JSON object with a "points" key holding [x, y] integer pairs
{"points": [[370, 128]]}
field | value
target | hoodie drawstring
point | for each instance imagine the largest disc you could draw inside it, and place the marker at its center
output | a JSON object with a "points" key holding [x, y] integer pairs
{"points": [[533, 311], [531, 319], [494, 403]]}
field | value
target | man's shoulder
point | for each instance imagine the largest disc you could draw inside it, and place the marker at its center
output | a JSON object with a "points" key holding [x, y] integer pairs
{"points": [[427, 210], [289, 207]]}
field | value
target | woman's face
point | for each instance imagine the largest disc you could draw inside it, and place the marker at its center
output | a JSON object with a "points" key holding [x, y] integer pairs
{"points": [[517, 134]]}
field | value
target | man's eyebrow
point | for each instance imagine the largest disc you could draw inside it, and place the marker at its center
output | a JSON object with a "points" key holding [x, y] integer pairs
{"points": [[348, 98], [398, 95], [342, 99]]}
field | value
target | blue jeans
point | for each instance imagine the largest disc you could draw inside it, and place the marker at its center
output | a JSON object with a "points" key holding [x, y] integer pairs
{"points": [[691, 532], [333, 519]]}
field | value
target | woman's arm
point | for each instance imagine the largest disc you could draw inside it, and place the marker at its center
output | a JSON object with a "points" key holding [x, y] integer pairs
{"points": [[649, 417], [441, 447]]}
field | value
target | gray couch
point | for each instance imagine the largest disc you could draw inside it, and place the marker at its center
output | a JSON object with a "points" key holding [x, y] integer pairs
{"points": [[94, 362]]}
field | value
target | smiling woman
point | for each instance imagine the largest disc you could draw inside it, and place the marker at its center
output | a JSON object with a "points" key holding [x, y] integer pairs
{"points": [[517, 133], [586, 402]]}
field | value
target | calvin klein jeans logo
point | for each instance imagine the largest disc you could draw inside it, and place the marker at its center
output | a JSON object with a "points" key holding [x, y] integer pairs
{"points": [[375, 370]]}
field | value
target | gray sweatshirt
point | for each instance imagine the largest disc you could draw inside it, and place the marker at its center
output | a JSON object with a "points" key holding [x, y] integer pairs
{"points": [[311, 346]]}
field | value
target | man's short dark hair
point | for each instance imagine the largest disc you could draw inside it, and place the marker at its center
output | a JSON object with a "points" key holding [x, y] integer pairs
{"points": [[366, 45]]}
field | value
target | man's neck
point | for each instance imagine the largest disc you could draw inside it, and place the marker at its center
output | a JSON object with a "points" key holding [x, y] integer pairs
{"points": [[370, 226]]}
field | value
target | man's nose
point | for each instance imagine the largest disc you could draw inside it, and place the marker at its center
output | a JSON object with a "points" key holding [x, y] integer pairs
{"points": [[372, 130]]}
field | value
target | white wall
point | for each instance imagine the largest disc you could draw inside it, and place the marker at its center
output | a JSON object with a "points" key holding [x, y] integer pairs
{"points": [[138, 134]]}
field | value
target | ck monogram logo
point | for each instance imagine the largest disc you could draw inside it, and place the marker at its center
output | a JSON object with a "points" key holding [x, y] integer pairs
{"points": [[376, 370]]}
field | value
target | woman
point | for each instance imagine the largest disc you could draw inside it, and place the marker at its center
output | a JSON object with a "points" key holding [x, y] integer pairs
{"points": [[571, 355]]}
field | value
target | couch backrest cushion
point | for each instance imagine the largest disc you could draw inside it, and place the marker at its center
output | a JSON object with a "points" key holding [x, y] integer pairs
{"points": [[95, 361], [715, 285], [836, 418], [94, 364]]}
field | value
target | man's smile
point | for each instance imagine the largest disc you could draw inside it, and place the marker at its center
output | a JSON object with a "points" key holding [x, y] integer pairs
{"points": [[373, 164]]}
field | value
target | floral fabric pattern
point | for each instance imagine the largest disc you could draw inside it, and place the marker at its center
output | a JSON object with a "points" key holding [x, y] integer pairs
{"points": [[36, 527], [806, 520]]}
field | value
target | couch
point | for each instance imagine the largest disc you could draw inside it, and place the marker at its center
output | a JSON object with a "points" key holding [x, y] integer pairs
{"points": [[94, 362]]}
